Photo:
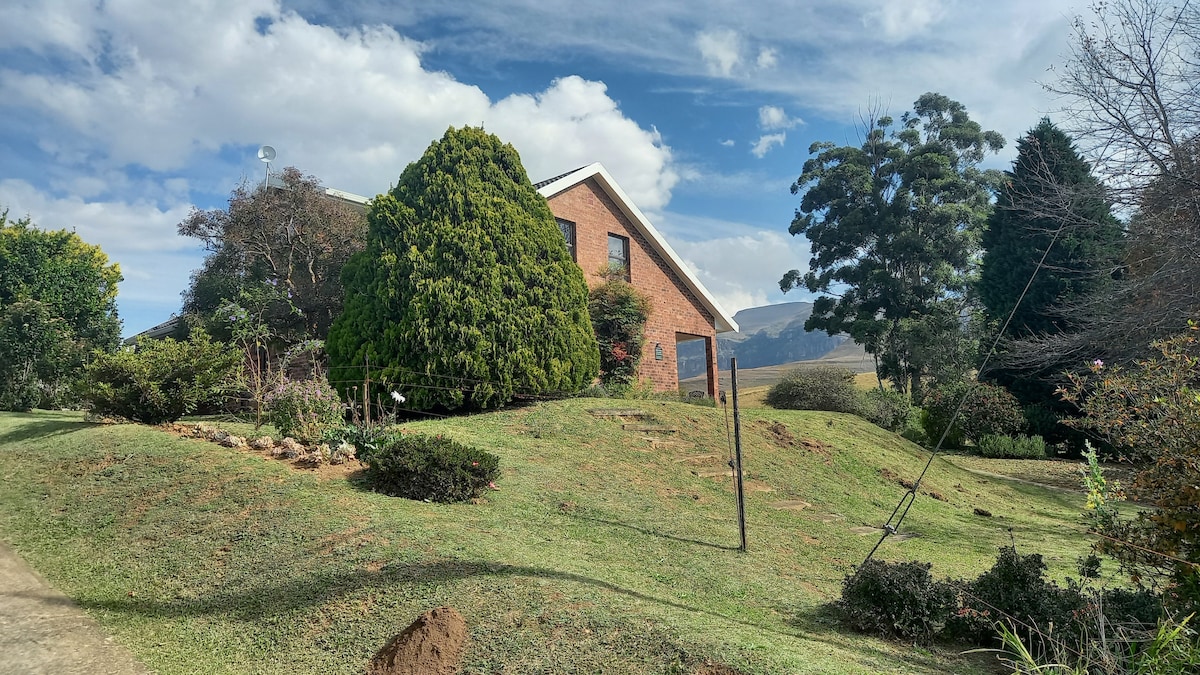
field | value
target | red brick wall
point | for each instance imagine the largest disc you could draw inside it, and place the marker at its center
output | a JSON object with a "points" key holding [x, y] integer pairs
{"points": [[674, 309]]}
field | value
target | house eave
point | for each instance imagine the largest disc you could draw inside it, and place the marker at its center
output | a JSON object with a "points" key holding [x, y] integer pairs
{"points": [[722, 321]]}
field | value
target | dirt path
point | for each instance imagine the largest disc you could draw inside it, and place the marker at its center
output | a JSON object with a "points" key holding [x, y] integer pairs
{"points": [[43, 633]]}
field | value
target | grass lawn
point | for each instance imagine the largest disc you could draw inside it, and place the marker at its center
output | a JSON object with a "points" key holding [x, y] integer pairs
{"points": [[602, 552]]}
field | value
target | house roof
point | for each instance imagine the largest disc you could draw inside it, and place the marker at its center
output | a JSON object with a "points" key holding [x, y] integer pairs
{"points": [[548, 188], [341, 195], [161, 330]]}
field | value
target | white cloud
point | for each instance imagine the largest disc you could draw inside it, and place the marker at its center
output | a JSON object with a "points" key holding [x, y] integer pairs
{"points": [[742, 270], [904, 20], [767, 141], [351, 106], [720, 50], [142, 110], [728, 142], [767, 58], [773, 117], [989, 56]]}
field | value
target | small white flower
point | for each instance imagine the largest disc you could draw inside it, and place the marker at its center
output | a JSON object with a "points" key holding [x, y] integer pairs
{"points": [[397, 397]]}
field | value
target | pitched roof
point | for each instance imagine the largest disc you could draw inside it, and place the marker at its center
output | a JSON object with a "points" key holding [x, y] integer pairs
{"points": [[540, 184], [548, 188]]}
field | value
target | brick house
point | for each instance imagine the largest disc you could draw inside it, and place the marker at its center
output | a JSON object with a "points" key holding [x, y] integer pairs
{"points": [[603, 227]]}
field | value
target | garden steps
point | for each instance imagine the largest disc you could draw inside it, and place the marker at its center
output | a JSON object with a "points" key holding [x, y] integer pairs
{"points": [[619, 412], [645, 428], [634, 419]]}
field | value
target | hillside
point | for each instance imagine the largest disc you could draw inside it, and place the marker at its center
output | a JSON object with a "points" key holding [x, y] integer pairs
{"points": [[846, 355], [768, 336], [603, 551]]}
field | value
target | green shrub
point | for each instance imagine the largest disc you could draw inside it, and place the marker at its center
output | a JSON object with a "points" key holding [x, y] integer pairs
{"points": [[619, 312], [162, 380], [306, 410], [436, 468], [1016, 588], [896, 600], [366, 438], [1012, 447], [466, 281], [888, 409], [986, 409], [827, 388]]}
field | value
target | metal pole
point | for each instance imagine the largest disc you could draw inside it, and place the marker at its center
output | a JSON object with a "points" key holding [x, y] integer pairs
{"points": [[737, 445]]}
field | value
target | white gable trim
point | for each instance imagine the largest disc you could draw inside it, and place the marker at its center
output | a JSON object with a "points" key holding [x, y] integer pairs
{"points": [[721, 321]]}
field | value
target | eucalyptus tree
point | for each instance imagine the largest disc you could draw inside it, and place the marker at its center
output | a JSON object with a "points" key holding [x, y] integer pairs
{"points": [[894, 226]]}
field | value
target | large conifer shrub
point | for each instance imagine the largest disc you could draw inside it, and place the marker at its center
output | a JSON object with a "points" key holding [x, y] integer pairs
{"points": [[466, 295]]}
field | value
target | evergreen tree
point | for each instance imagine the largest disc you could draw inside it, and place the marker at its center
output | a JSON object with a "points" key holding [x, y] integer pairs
{"points": [[466, 294], [894, 230], [58, 299], [1050, 189]]}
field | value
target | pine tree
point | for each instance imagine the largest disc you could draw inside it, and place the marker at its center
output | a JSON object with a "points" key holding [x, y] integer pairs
{"points": [[1050, 189], [466, 294]]}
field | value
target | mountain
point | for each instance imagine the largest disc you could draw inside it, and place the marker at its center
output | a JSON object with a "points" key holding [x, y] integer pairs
{"points": [[769, 336]]}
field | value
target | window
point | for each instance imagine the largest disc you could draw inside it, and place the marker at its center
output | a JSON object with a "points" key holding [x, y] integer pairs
{"points": [[618, 253], [568, 231]]}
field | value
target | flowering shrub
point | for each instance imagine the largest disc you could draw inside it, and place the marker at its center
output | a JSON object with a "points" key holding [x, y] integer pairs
{"points": [[305, 409], [1150, 411], [435, 468], [619, 314]]}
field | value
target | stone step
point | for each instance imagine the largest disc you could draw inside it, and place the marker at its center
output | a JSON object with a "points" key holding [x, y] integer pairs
{"points": [[656, 428], [618, 412], [697, 458], [657, 442], [791, 505]]}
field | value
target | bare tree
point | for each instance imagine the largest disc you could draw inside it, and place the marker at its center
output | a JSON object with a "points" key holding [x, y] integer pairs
{"points": [[1129, 90]]}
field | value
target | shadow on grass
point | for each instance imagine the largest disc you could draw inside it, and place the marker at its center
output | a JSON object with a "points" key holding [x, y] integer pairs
{"points": [[652, 533], [823, 623], [32, 428], [279, 597]]}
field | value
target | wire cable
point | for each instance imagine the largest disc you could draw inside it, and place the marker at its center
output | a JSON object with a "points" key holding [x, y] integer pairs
{"points": [[907, 500]]}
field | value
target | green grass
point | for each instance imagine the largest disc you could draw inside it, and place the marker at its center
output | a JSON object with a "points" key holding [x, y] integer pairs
{"points": [[599, 553]]}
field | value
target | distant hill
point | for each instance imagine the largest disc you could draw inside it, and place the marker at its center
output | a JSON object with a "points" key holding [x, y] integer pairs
{"points": [[769, 336]]}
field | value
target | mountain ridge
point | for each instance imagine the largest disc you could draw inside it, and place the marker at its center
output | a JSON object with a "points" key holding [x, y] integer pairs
{"points": [[769, 335]]}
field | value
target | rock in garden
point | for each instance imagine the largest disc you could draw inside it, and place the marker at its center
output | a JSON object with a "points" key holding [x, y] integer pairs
{"points": [[343, 453], [311, 459], [264, 443], [432, 645], [289, 448], [232, 441]]}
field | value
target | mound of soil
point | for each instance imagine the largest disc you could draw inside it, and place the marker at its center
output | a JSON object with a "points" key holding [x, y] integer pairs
{"points": [[432, 645], [779, 433]]}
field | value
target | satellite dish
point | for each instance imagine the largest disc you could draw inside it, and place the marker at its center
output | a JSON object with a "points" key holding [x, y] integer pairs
{"points": [[266, 154]]}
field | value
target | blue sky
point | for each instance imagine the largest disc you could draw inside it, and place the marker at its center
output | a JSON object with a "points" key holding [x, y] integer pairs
{"points": [[120, 116]]}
